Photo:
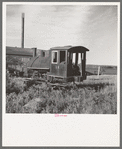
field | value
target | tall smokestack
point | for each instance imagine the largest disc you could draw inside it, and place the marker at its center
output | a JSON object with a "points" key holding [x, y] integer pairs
{"points": [[23, 17]]}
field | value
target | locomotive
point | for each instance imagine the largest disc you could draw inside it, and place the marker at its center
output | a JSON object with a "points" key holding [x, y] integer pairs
{"points": [[57, 64]]}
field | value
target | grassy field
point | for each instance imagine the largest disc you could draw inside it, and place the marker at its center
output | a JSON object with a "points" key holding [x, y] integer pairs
{"points": [[96, 95], [104, 69]]}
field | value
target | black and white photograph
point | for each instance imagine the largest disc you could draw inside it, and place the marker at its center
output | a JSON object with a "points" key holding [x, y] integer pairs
{"points": [[62, 60]]}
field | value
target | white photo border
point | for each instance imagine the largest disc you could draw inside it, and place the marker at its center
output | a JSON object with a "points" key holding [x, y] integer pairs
{"points": [[48, 130]]}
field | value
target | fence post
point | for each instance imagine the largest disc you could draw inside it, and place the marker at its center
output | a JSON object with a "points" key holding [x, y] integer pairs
{"points": [[98, 71]]}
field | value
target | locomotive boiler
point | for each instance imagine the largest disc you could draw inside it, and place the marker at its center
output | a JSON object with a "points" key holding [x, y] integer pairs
{"points": [[60, 63]]}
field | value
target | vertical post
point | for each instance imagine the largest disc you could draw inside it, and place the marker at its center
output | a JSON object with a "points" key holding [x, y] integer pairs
{"points": [[81, 64], [23, 15], [71, 57], [69, 63], [76, 58], [22, 38], [84, 62], [98, 71]]}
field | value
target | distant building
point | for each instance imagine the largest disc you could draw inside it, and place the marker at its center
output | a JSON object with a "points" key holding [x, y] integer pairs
{"points": [[17, 57]]}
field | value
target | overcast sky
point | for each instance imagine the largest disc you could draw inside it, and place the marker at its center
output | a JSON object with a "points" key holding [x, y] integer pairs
{"points": [[46, 26]]}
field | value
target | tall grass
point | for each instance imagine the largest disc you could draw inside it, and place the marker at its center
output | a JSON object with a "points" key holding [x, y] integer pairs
{"points": [[94, 96]]}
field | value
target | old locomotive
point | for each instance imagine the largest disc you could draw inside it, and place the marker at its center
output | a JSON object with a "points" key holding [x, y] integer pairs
{"points": [[57, 64]]}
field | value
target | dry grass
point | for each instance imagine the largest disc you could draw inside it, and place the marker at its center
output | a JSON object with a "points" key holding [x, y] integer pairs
{"points": [[96, 95]]}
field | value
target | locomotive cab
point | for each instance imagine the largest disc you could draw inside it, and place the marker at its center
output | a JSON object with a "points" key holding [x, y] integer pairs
{"points": [[64, 63]]}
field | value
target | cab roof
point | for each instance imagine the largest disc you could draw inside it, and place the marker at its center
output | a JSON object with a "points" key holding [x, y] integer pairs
{"points": [[73, 49]]}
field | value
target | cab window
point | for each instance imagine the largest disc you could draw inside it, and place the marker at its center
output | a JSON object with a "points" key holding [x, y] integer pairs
{"points": [[62, 56], [55, 57]]}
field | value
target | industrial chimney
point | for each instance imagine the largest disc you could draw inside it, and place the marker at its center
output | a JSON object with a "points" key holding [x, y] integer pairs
{"points": [[23, 17]]}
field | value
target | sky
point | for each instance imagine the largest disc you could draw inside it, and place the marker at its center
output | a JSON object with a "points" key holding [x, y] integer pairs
{"points": [[46, 26]]}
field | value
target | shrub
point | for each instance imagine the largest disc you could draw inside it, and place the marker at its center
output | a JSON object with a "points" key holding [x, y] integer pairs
{"points": [[12, 103], [14, 85]]}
